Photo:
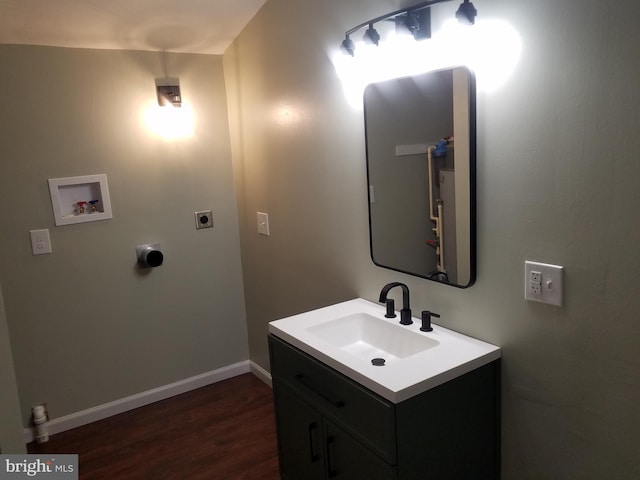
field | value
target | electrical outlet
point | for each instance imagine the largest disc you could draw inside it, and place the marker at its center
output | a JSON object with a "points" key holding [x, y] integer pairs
{"points": [[40, 241], [543, 283], [535, 283], [204, 219], [535, 277], [535, 288]]}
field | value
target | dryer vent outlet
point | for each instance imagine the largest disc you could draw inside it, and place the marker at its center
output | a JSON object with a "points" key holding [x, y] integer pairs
{"points": [[149, 255]]}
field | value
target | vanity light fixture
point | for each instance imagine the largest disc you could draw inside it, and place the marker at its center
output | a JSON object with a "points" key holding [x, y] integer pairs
{"points": [[415, 19]]}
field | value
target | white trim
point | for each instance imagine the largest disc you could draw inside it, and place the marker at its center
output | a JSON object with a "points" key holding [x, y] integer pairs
{"points": [[261, 373], [125, 404]]}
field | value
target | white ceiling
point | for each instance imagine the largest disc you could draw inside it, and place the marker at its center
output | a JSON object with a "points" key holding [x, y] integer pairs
{"points": [[188, 26]]}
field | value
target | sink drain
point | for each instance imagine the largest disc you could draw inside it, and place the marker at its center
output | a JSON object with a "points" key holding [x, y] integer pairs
{"points": [[378, 362]]}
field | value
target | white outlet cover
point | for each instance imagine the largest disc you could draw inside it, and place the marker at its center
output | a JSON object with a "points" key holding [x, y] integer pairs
{"points": [[549, 289], [40, 241]]}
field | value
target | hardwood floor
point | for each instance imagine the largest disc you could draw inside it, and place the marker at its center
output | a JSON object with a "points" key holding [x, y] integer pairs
{"points": [[222, 431]]}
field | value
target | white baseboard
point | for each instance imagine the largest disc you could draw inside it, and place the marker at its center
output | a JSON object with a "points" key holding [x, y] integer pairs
{"points": [[121, 405], [261, 373]]}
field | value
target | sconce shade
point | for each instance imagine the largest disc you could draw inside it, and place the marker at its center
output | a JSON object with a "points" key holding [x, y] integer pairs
{"points": [[422, 19], [371, 36], [466, 13], [348, 46], [410, 22], [168, 92]]}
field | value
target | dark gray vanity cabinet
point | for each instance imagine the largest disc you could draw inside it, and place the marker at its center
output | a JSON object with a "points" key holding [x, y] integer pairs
{"points": [[330, 427]]}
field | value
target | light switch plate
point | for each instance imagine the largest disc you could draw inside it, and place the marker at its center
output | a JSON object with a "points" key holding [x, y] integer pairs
{"points": [[543, 283], [263, 223]]}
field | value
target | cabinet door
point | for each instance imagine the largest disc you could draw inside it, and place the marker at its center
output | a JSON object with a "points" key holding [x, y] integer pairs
{"points": [[366, 416], [300, 443], [347, 459]]}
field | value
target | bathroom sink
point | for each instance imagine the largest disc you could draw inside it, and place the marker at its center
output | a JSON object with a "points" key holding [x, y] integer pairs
{"points": [[395, 361], [368, 337]]}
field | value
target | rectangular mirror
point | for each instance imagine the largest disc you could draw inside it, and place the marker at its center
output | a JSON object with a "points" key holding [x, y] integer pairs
{"points": [[421, 154]]}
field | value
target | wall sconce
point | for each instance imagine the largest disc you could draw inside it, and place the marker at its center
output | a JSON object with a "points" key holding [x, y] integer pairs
{"points": [[415, 20], [168, 91]]}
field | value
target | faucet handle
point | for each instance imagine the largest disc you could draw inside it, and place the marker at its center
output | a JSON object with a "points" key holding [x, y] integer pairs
{"points": [[391, 308], [426, 320], [405, 316]]}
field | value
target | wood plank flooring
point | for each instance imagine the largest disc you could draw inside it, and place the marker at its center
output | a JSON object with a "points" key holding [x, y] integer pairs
{"points": [[222, 431]]}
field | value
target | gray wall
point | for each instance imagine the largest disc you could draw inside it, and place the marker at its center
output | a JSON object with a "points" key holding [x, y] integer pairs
{"points": [[86, 327], [11, 437], [557, 173]]}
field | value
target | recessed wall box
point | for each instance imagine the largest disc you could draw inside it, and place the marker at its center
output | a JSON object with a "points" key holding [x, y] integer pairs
{"points": [[80, 199]]}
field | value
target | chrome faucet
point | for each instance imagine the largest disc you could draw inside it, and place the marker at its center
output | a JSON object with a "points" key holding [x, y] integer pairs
{"points": [[405, 313]]}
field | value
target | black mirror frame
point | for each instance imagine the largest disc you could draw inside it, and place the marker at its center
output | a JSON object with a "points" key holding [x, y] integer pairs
{"points": [[472, 193]]}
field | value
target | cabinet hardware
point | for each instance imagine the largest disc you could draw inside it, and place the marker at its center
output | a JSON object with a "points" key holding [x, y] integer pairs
{"points": [[313, 426], [331, 472]]}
